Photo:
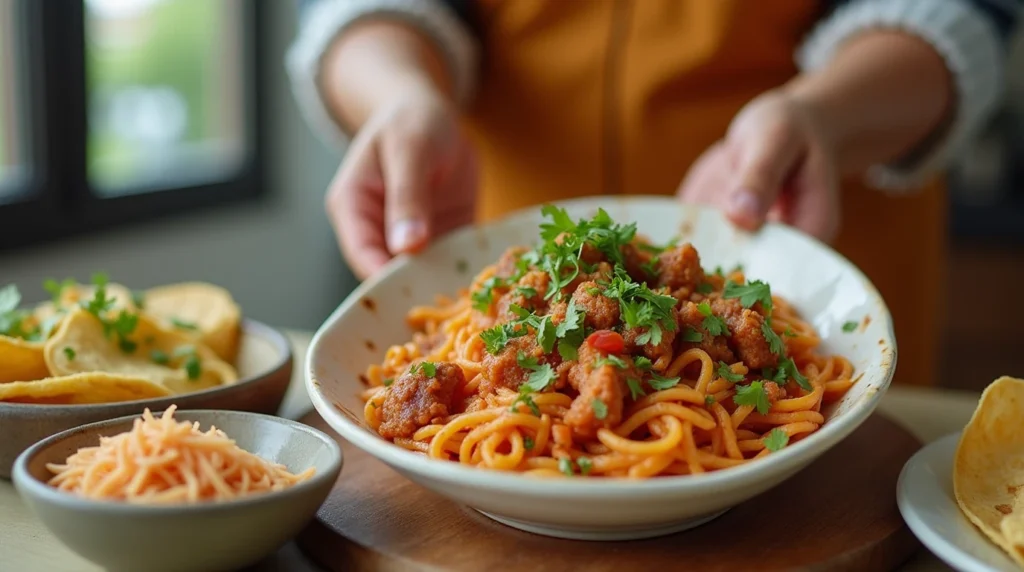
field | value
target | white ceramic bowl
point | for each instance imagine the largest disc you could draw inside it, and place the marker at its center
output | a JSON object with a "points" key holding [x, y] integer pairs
{"points": [[826, 288]]}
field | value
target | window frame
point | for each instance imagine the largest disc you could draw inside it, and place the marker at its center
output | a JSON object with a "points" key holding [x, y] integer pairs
{"points": [[58, 201]]}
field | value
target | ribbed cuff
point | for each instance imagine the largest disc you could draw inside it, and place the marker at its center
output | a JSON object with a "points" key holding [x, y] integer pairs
{"points": [[964, 38], [327, 19]]}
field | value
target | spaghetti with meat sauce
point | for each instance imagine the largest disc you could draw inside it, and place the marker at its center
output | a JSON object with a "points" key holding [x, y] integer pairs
{"points": [[600, 354]]}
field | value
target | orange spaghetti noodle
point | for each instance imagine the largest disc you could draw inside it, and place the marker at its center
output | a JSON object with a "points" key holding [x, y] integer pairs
{"points": [[685, 411], [163, 461]]}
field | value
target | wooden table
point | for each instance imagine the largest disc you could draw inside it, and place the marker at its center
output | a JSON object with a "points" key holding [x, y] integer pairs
{"points": [[26, 545]]}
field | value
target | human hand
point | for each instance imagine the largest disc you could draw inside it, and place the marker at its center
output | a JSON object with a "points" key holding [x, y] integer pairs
{"points": [[409, 175], [775, 163]]}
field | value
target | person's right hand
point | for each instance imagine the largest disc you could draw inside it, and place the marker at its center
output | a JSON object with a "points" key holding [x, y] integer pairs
{"points": [[409, 175]]}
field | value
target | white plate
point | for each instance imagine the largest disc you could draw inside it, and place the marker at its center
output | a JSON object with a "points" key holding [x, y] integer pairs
{"points": [[925, 497], [824, 287]]}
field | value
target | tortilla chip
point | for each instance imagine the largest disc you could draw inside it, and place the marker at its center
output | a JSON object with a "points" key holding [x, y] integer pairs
{"points": [[72, 296], [210, 309], [988, 471], [82, 388], [159, 356], [21, 360]]}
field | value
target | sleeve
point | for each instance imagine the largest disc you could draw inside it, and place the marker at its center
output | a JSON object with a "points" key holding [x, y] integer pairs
{"points": [[322, 21], [973, 38]]}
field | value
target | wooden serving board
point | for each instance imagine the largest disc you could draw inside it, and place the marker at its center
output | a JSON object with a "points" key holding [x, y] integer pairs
{"points": [[837, 514]]}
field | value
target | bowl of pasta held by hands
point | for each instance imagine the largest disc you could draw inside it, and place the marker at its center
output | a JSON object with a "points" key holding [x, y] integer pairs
{"points": [[98, 350], [605, 368], [179, 490]]}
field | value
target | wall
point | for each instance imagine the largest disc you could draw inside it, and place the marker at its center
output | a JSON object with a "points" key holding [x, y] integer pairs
{"points": [[278, 257]]}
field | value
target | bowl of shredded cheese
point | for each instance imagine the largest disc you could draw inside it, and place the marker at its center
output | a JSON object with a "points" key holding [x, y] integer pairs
{"points": [[179, 490]]}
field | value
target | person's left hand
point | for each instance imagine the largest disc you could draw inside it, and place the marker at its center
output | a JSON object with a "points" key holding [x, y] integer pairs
{"points": [[775, 163]]}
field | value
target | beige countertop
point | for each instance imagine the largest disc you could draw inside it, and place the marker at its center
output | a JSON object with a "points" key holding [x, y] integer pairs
{"points": [[25, 545]]}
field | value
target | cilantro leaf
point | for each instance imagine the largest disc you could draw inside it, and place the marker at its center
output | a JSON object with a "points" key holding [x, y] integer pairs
{"points": [[526, 291], [612, 360], [725, 372], [788, 370], [526, 400], [643, 363], [496, 338], [546, 334], [183, 325], [139, 299], [600, 409], [585, 465], [849, 327], [753, 395], [659, 383], [69, 352], [55, 289], [528, 443], [714, 325], [692, 335], [483, 297], [193, 367], [749, 294], [425, 367], [775, 344], [636, 391], [560, 222], [776, 440], [565, 465], [709, 400], [388, 381], [10, 298], [567, 350], [705, 288], [159, 357], [789, 333], [573, 320]]}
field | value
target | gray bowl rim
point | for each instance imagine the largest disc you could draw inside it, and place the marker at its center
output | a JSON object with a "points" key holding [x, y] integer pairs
{"points": [[260, 329], [28, 485]]}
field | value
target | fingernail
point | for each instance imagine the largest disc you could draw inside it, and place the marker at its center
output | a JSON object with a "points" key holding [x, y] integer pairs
{"points": [[406, 234], [746, 203]]}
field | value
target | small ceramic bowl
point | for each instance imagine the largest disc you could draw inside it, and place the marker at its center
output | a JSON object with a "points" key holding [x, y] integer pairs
{"points": [[823, 286], [213, 536], [265, 370]]}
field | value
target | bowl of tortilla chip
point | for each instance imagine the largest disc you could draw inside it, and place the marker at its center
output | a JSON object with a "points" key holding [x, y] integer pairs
{"points": [[99, 351]]}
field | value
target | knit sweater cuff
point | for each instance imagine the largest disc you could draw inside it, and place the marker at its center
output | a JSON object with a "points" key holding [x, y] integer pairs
{"points": [[328, 19], [966, 40]]}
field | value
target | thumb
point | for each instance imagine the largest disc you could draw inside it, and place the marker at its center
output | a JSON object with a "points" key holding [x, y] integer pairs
{"points": [[407, 205], [767, 157]]}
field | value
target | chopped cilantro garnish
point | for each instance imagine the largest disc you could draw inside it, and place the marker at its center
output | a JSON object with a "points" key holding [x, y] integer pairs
{"points": [[425, 367], [754, 396], [55, 289], [388, 381], [139, 299], [159, 357], [775, 344], [546, 334], [715, 325], [641, 307], [585, 465], [600, 409], [709, 400], [565, 465], [570, 331], [849, 327], [643, 363], [483, 297], [659, 382], [612, 360], [725, 372], [69, 352], [496, 338], [776, 440], [183, 325], [525, 399], [692, 335], [636, 391], [12, 319], [788, 370], [719, 272], [193, 367], [541, 375], [705, 288], [528, 443], [750, 294], [789, 333], [526, 291]]}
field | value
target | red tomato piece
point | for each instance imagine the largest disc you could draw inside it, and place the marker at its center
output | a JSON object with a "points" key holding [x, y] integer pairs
{"points": [[607, 341]]}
